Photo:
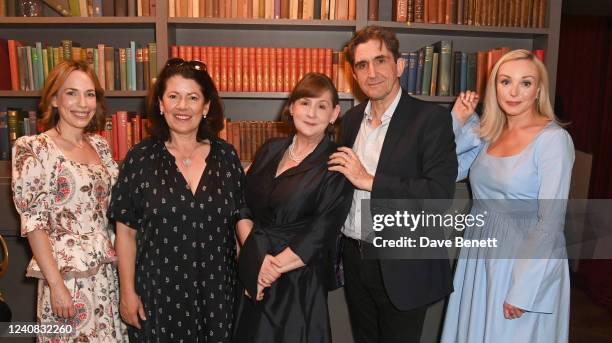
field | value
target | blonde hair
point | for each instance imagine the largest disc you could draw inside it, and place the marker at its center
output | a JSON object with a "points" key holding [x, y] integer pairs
{"points": [[494, 119], [55, 80]]}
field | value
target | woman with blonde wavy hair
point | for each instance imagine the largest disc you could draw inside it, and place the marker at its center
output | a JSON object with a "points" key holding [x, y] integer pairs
{"points": [[516, 156]]}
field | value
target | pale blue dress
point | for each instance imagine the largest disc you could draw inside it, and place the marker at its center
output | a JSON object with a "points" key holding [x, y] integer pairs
{"points": [[540, 286]]}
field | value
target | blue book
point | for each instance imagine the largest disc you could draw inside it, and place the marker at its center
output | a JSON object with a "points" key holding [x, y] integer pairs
{"points": [[419, 72], [464, 71], [5, 151], [404, 77], [412, 72]]}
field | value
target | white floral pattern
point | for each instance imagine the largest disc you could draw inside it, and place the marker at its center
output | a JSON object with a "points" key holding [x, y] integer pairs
{"points": [[69, 201]]}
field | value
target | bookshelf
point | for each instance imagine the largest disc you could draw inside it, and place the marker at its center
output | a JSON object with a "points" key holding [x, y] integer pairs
{"points": [[165, 31]]}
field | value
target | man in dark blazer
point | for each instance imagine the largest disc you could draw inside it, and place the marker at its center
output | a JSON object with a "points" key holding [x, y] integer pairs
{"points": [[394, 147]]}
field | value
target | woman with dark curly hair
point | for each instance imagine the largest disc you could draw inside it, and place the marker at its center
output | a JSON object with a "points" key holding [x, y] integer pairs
{"points": [[176, 203]]}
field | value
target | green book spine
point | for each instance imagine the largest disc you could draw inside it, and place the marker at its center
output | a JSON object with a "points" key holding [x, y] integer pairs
{"points": [[128, 69], [444, 48], [45, 53], [123, 68], [13, 125], [426, 86], [152, 63], [39, 67], [35, 81], [133, 66], [74, 8]]}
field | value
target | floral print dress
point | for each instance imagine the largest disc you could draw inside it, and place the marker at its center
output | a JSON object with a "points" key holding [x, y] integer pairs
{"points": [[69, 201]]}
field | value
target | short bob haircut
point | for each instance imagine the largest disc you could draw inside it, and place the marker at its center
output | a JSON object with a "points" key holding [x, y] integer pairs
{"points": [[381, 34], [311, 85], [209, 128], [50, 115], [493, 118]]}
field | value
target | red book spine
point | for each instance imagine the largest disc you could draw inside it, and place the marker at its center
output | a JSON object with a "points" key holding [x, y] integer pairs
{"points": [[252, 70], [216, 66], [238, 69], [204, 56], [14, 66], [231, 65], [328, 62], [259, 72], [301, 57], [280, 78], [321, 54], [115, 137], [308, 61], [246, 67], [286, 70], [293, 72], [272, 67], [195, 51], [174, 52], [122, 133], [188, 53], [137, 125], [182, 52], [314, 56], [129, 136], [223, 68], [266, 69]]}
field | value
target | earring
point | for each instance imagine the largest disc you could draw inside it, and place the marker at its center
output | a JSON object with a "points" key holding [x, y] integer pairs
{"points": [[204, 115], [161, 113]]}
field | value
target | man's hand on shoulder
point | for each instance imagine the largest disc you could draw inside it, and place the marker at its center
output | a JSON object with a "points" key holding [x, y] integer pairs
{"points": [[345, 161]]}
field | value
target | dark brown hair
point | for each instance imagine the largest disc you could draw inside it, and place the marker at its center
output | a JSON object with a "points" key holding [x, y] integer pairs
{"points": [[209, 128], [381, 34], [311, 85], [55, 80]]}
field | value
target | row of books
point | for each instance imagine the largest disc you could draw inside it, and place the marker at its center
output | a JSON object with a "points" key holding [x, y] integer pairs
{"points": [[123, 130], [510, 13], [263, 69], [248, 136], [85, 8], [437, 70], [268, 9], [26, 67], [14, 123]]}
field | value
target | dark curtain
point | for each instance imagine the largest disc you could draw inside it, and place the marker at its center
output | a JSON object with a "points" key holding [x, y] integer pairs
{"points": [[584, 88]]}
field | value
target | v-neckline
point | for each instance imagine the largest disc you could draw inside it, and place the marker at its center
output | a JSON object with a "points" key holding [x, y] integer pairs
{"points": [[182, 176]]}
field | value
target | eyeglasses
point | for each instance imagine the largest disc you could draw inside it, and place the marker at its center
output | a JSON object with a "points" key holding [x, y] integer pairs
{"points": [[195, 65]]}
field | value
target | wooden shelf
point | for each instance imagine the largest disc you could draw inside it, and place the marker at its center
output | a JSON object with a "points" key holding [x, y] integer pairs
{"points": [[262, 24], [463, 30], [269, 95], [438, 99], [37, 22], [108, 94]]}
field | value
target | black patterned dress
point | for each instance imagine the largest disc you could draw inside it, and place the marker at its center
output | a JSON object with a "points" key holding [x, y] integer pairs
{"points": [[185, 255]]}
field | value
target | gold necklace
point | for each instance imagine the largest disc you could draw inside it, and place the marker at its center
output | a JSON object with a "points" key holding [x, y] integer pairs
{"points": [[78, 145]]}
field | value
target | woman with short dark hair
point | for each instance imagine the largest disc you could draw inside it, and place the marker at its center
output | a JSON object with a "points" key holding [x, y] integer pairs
{"points": [[176, 204], [297, 208]]}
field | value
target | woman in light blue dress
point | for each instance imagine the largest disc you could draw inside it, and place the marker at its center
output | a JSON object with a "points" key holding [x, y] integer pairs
{"points": [[517, 153]]}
